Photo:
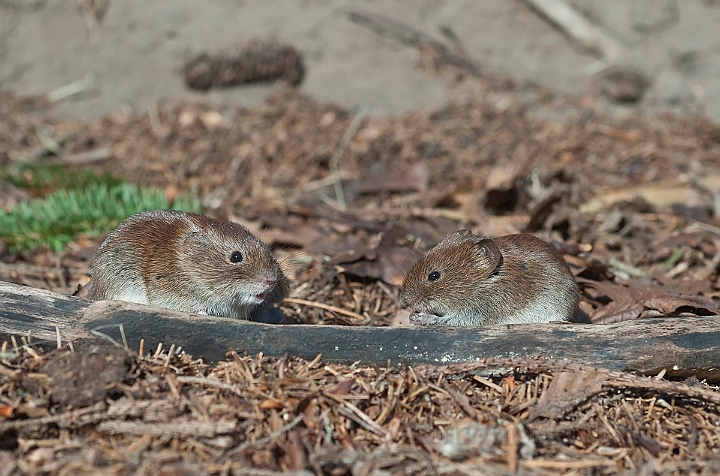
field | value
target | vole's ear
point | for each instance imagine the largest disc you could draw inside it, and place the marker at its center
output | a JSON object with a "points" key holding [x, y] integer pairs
{"points": [[489, 255], [455, 238]]}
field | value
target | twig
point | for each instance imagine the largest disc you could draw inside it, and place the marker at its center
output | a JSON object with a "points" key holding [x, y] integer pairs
{"points": [[673, 259], [340, 150], [48, 142], [382, 25], [59, 270], [107, 337], [327, 307], [72, 89], [325, 181], [122, 334], [429, 47], [367, 422], [68, 417], [170, 430], [540, 365], [209, 383], [275, 434], [704, 226], [169, 355], [560, 465], [488, 383], [95, 155], [40, 151], [626, 268], [577, 28]]}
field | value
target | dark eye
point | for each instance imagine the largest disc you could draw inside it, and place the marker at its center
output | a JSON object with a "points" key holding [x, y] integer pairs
{"points": [[236, 257], [434, 276]]}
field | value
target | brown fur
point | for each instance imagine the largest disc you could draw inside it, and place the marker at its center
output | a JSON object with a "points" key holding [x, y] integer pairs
{"points": [[182, 261], [511, 279]]}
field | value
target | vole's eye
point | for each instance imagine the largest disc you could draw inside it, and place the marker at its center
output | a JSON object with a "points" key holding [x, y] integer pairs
{"points": [[236, 257], [434, 276]]}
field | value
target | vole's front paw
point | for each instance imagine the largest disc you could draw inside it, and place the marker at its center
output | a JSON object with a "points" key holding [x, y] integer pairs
{"points": [[425, 319], [267, 314]]}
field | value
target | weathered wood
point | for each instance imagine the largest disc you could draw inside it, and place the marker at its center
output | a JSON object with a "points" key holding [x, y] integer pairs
{"points": [[643, 345]]}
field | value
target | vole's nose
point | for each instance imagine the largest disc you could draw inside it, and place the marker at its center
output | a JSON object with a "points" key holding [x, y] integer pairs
{"points": [[267, 281]]}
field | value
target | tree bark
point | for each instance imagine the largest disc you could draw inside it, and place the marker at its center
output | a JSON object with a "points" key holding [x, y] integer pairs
{"points": [[683, 346]]}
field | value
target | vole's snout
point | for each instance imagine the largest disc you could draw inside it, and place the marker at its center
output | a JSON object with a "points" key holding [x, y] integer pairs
{"points": [[267, 280]]}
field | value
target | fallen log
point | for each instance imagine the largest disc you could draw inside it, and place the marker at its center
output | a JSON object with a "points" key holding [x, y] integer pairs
{"points": [[681, 346]]}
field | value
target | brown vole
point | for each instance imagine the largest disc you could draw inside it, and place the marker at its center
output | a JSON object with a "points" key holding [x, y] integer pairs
{"points": [[469, 280], [187, 262]]}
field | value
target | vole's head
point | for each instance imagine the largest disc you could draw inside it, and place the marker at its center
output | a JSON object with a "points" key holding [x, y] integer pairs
{"points": [[456, 270], [226, 258]]}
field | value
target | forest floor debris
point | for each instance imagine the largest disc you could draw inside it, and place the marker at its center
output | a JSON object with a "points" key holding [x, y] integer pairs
{"points": [[631, 200]]}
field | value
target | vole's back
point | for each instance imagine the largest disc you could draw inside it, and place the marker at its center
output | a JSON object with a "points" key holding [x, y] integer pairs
{"points": [[118, 268], [545, 289]]}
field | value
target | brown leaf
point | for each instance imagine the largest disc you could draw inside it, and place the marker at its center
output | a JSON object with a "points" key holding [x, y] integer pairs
{"points": [[6, 411], [617, 316], [471, 207], [413, 180], [460, 398], [395, 262], [670, 305], [566, 391], [341, 388], [388, 261], [542, 208], [271, 403], [658, 194], [623, 301], [353, 256], [310, 413]]}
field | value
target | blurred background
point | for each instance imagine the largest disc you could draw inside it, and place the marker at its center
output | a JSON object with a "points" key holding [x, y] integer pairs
{"points": [[131, 52]]}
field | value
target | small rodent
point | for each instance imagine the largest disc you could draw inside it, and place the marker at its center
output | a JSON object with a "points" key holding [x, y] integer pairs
{"points": [[469, 280], [187, 262]]}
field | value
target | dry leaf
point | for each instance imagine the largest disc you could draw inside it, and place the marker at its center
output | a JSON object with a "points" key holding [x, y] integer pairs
{"points": [[271, 403], [413, 180], [341, 388], [566, 391]]}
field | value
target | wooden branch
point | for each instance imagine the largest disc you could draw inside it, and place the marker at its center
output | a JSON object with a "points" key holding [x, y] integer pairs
{"points": [[588, 36], [648, 345], [396, 30]]}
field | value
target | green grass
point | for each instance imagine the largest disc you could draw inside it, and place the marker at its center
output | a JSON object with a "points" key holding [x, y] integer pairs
{"points": [[46, 178], [95, 209]]}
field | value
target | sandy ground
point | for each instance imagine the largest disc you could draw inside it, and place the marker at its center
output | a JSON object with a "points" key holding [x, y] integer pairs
{"points": [[137, 49]]}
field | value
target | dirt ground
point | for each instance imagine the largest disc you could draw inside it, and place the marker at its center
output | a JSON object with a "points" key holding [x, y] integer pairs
{"points": [[384, 148], [136, 50]]}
